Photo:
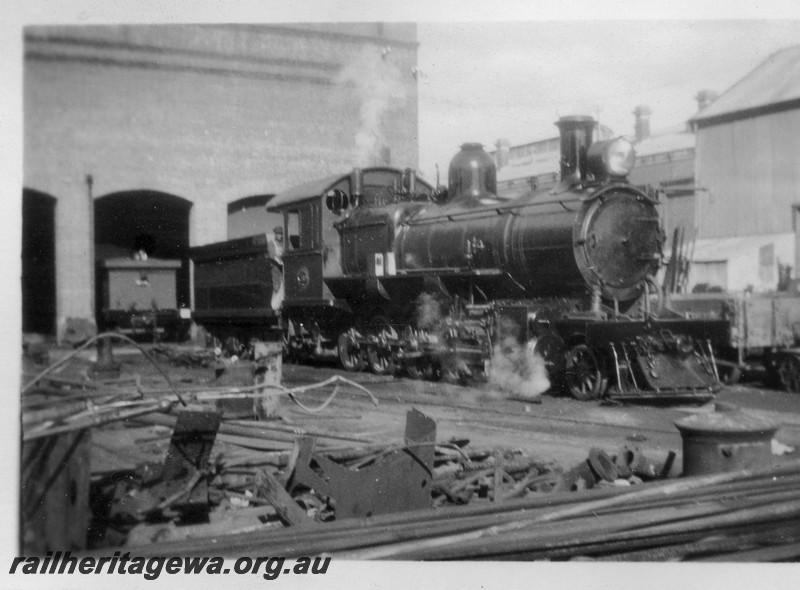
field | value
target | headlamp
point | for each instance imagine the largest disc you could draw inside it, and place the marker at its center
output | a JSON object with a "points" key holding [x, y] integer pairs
{"points": [[611, 158]]}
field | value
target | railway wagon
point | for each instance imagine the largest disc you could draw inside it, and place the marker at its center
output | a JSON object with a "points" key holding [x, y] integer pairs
{"points": [[138, 298], [763, 333]]}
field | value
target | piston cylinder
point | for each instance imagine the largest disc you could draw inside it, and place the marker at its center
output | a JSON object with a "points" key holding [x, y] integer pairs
{"points": [[726, 440]]}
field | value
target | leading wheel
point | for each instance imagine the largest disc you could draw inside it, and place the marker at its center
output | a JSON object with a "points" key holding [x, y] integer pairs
{"points": [[583, 374], [350, 354]]}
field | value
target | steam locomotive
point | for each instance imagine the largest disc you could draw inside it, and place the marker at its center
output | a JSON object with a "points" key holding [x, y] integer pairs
{"points": [[383, 270]]}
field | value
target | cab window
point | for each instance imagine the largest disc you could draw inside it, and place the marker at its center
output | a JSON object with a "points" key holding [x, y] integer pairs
{"points": [[293, 230], [301, 228]]}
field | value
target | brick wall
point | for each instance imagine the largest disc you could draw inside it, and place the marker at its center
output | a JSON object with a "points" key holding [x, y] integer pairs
{"points": [[210, 114]]}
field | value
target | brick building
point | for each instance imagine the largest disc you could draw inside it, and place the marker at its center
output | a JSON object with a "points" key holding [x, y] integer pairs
{"points": [[148, 134]]}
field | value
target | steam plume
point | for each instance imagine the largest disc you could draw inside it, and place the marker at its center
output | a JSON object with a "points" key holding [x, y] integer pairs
{"points": [[377, 86]]}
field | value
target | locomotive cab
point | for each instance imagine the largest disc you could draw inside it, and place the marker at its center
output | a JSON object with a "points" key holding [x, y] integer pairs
{"points": [[338, 228], [325, 239]]}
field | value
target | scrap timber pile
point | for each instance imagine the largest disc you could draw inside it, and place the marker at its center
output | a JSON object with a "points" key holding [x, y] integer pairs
{"points": [[738, 516], [223, 485]]}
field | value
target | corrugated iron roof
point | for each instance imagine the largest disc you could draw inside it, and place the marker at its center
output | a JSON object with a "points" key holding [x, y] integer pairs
{"points": [[776, 80], [318, 188], [660, 144]]}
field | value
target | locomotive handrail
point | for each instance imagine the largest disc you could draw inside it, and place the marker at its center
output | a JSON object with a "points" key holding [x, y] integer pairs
{"points": [[479, 213], [616, 185], [492, 272], [514, 207]]}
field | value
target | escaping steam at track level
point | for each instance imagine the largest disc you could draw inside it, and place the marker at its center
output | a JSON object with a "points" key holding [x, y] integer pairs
{"points": [[516, 369]]}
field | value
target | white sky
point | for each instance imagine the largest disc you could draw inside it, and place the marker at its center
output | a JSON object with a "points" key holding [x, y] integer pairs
{"points": [[483, 81]]}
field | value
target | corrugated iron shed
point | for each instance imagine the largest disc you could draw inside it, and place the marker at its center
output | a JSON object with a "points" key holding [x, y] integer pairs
{"points": [[776, 81]]}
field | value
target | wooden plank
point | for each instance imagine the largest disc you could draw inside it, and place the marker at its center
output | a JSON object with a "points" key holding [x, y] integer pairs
{"points": [[790, 552], [286, 508], [55, 493], [497, 495]]}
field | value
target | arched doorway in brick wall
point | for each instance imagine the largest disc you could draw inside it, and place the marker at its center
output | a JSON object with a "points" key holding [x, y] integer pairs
{"points": [[38, 262], [127, 224]]}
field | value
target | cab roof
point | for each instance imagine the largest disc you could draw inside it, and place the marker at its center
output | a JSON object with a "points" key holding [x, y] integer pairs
{"points": [[305, 191], [318, 188]]}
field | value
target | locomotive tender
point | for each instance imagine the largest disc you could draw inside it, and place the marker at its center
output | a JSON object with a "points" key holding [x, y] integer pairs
{"points": [[383, 270]]}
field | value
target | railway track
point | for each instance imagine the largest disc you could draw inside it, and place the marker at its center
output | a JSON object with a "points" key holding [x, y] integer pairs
{"points": [[556, 428]]}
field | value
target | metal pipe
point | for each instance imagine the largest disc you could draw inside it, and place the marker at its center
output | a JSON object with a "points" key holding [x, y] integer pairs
{"points": [[357, 184], [596, 302], [713, 360], [410, 182], [616, 367], [630, 367]]}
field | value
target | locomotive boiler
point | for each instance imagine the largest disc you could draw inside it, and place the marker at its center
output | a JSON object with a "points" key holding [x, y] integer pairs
{"points": [[602, 234], [383, 270]]}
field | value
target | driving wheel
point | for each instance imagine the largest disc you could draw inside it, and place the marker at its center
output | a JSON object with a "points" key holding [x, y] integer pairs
{"points": [[350, 354], [379, 353]]}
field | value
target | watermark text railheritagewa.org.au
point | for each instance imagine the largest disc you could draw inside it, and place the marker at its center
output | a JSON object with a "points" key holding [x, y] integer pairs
{"points": [[152, 567]]}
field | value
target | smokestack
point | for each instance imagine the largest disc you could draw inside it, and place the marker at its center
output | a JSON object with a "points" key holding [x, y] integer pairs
{"points": [[642, 114], [704, 98], [576, 137], [503, 152]]}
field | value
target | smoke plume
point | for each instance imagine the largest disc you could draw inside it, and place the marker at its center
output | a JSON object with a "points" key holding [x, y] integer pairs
{"points": [[376, 84]]}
